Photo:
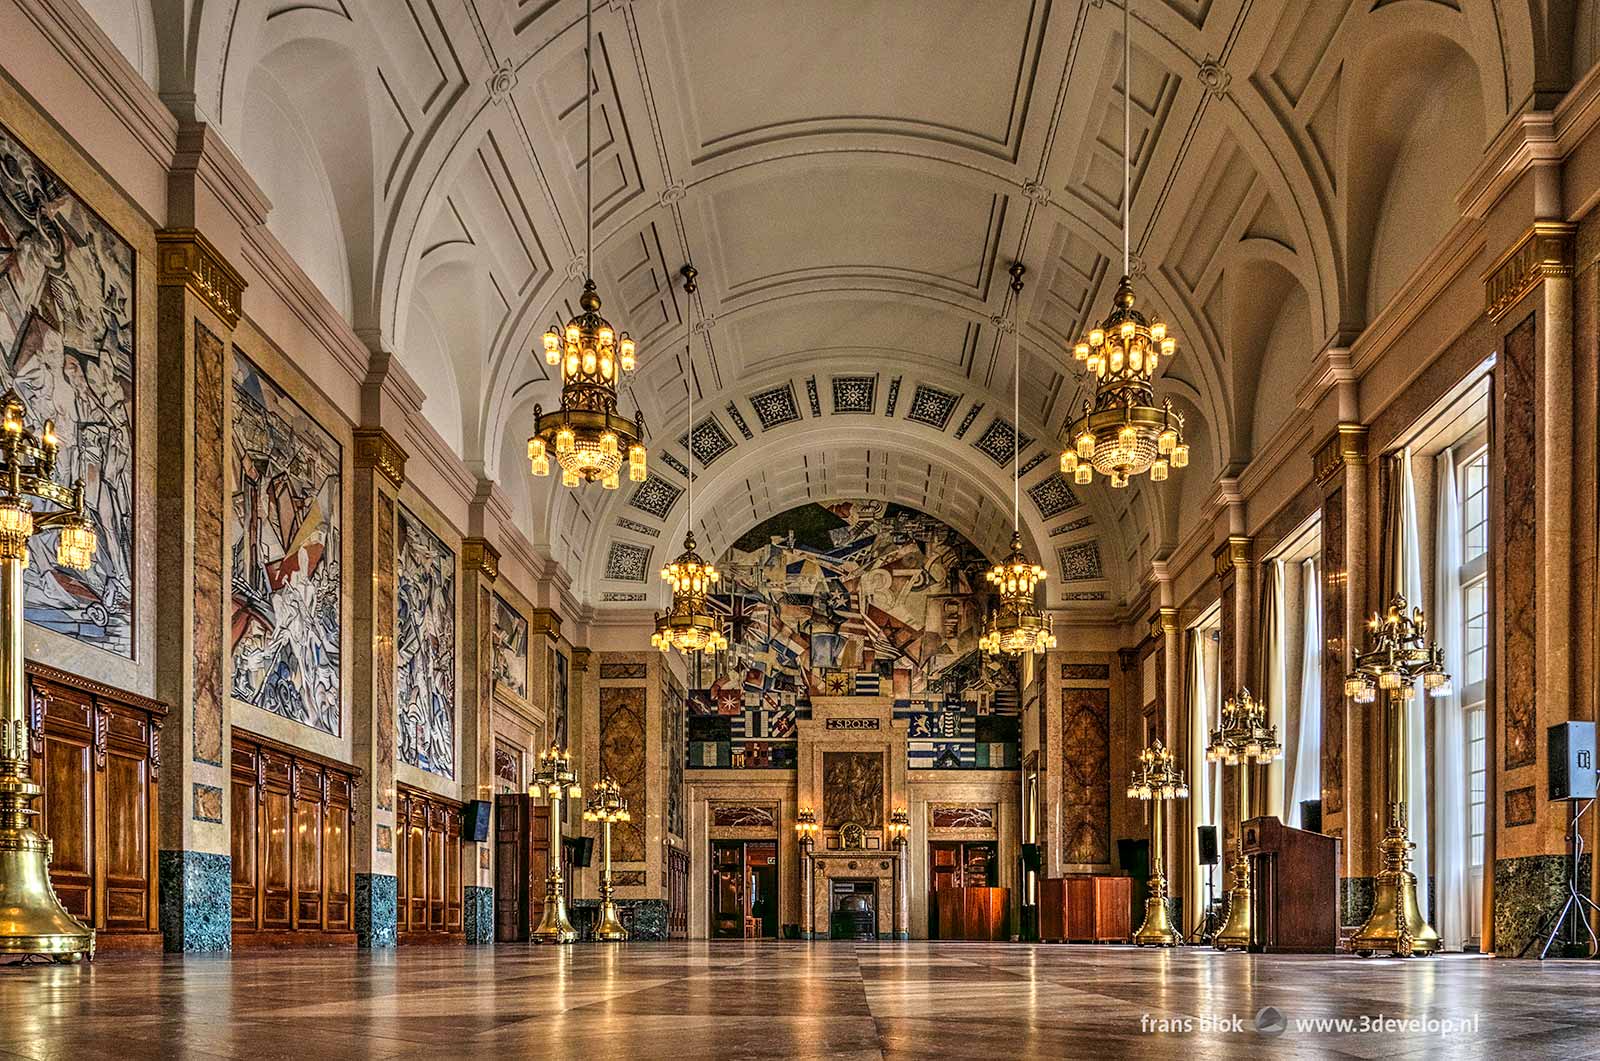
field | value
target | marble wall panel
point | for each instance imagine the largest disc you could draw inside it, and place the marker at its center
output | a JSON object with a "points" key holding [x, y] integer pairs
{"points": [[383, 654], [1086, 775], [1334, 708], [1519, 601], [622, 756], [208, 619]]}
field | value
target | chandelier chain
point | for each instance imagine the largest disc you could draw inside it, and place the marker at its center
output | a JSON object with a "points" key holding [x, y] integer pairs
{"points": [[588, 139], [1127, 138]]}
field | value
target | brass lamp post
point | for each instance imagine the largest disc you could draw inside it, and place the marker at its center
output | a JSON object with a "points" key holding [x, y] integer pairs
{"points": [[555, 781], [32, 920], [1401, 653], [1243, 738], [805, 827], [900, 837], [1157, 779], [606, 805]]}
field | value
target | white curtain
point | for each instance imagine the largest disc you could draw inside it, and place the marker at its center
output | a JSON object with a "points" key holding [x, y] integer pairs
{"points": [[1453, 857], [1274, 634], [1305, 780], [1408, 580]]}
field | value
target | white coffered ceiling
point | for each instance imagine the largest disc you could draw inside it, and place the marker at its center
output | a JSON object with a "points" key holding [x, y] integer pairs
{"points": [[852, 178]]}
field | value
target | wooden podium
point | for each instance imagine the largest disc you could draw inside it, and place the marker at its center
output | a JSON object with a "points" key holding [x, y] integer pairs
{"points": [[1294, 888], [1085, 908], [973, 913]]}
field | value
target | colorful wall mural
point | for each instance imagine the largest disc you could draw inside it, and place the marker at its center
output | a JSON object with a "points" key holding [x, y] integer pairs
{"points": [[855, 598], [67, 347], [510, 649], [425, 657], [285, 538]]}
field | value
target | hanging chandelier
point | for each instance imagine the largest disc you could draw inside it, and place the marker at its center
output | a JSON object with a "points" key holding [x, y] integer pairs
{"points": [[688, 625], [589, 438], [1016, 626], [1123, 432], [1401, 653]]}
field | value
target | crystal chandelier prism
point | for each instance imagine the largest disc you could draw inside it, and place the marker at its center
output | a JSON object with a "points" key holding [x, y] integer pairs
{"points": [[1122, 431], [1016, 626], [588, 437], [688, 624]]}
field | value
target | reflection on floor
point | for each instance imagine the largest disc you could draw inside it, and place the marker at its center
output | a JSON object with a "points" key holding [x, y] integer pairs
{"points": [[724, 1000]]}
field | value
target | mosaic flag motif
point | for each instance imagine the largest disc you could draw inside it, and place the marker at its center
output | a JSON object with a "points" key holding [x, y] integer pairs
{"points": [[425, 657], [284, 535], [67, 340], [510, 649]]}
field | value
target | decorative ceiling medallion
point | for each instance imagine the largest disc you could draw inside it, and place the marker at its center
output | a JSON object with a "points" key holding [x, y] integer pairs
{"points": [[655, 496], [996, 441], [775, 406], [855, 394], [1214, 77], [932, 406], [1080, 562], [627, 562], [1053, 496]]}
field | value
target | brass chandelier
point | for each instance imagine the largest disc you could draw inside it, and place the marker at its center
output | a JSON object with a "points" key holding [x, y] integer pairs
{"points": [[1243, 737], [1157, 777], [688, 625], [1016, 626], [1400, 654], [588, 436], [1123, 432]]}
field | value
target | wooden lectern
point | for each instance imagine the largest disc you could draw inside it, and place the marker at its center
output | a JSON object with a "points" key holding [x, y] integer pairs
{"points": [[1294, 888]]}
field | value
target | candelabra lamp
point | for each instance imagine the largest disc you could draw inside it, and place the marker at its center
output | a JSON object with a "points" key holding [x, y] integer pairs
{"points": [[607, 805], [554, 780], [1401, 653], [899, 827], [805, 829], [32, 919], [1243, 738], [1157, 779]]}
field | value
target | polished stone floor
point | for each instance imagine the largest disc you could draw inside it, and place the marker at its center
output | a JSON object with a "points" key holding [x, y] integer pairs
{"points": [[759, 1000]]}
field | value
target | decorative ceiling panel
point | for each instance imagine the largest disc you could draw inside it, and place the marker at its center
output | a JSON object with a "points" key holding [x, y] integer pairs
{"points": [[932, 406], [775, 406], [627, 562], [655, 496], [997, 444]]}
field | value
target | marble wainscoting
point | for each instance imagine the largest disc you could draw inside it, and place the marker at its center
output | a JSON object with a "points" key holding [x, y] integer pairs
{"points": [[1526, 891], [196, 901], [377, 915], [1355, 900], [645, 919], [478, 913]]}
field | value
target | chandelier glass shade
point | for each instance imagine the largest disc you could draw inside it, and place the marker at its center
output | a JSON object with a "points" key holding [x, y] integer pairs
{"points": [[27, 472], [1123, 432], [1401, 653], [1243, 734], [588, 437], [688, 624], [1157, 775], [554, 778]]}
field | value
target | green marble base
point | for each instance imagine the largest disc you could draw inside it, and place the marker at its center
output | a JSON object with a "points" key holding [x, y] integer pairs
{"points": [[376, 910], [1355, 900], [1526, 892], [645, 919], [479, 914], [196, 901]]}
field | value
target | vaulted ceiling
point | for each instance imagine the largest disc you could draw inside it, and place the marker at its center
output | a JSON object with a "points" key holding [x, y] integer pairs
{"points": [[852, 180]]}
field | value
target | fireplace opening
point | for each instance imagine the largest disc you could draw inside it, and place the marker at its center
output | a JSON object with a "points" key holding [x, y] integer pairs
{"points": [[854, 906]]}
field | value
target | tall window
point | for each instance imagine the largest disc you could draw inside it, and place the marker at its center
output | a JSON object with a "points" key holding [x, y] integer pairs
{"points": [[1473, 575]]}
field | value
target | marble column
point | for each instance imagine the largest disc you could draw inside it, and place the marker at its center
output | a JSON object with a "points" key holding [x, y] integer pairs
{"points": [[199, 302], [480, 569], [379, 473], [1233, 566]]}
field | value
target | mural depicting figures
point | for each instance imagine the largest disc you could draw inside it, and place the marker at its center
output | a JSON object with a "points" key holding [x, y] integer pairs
{"points": [[285, 537], [510, 650], [425, 656], [67, 340], [855, 598]]}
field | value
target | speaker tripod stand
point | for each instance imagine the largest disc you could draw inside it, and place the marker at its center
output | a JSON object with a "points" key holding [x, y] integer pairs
{"points": [[1578, 906], [1209, 923]]}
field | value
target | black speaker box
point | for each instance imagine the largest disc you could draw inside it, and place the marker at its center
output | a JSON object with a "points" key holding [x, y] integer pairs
{"points": [[1030, 856], [475, 820], [1311, 815], [1571, 759], [581, 848], [1206, 841], [1134, 857]]}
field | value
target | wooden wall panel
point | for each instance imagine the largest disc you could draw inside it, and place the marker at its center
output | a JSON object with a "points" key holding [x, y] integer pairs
{"points": [[428, 862], [293, 874], [96, 755]]}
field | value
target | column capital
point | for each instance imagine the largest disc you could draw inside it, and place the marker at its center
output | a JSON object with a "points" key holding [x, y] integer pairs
{"points": [[377, 449], [185, 258], [1346, 444], [480, 556], [545, 621], [1235, 553], [580, 658], [1164, 622], [1547, 249]]}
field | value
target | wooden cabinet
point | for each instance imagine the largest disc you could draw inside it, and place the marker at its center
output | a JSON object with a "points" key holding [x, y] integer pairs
{"points": [[96, 754], [293, 874], [427, 858], [974, 913], [1085, 908], [677, 892]]}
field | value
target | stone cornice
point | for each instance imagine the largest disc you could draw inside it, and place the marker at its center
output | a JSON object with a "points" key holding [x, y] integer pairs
{"points": [[300, 298], [1530, 139], [202, 155]]}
